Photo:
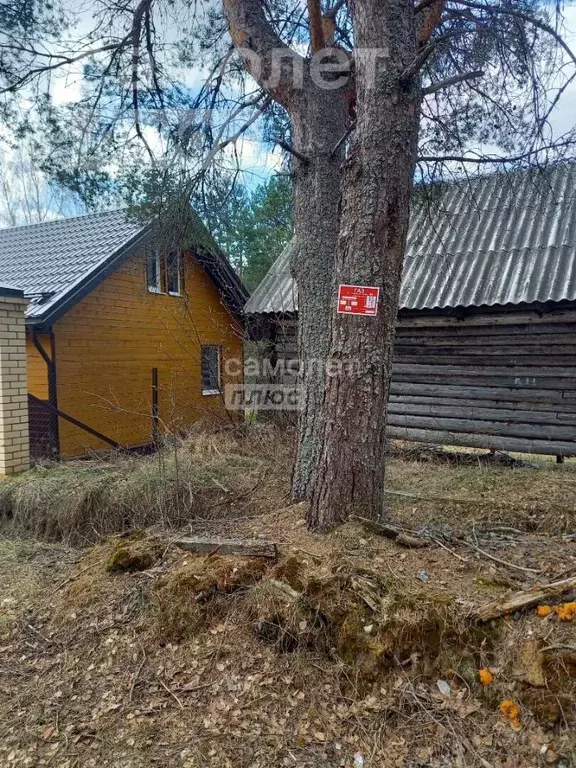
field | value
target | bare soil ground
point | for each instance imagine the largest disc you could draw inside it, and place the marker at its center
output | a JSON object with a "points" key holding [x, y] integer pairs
{"points": [[348, 651]]}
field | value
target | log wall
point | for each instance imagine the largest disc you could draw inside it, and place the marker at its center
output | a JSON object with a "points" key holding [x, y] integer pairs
{"points": [[492, 379]]}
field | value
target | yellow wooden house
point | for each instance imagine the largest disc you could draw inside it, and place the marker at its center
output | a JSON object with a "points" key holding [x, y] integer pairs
{"points": [[132, 330]]}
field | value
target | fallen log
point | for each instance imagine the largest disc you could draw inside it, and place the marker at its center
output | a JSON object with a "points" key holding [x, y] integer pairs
{"points": [[524, 599], [217, 546], [389, 532]]}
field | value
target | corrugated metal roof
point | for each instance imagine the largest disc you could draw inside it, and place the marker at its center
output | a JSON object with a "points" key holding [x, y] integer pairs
{"points": [[47, 260], [501, 239]]}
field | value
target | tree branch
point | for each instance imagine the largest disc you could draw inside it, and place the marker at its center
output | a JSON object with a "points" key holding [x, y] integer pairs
{"points": [[415, 67], [494, 159], [343, 138], [264, 54], [422, 5], [62, 61], [315, 21], [136, 35], [422, 57], [289, 148], [333, 12], [452, 81], [223, 143], [523, 17]]}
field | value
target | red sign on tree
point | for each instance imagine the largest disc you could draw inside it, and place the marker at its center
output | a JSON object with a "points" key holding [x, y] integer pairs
{"points": [[358, 300]]}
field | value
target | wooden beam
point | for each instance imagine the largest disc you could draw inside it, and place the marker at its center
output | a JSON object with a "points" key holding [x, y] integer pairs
{"points": [[218, 546], [518, 444], [477, 392], [524, 599], [484, 427]]}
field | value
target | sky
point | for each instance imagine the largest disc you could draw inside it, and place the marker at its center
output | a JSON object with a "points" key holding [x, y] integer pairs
{"points": [[257, 160]]}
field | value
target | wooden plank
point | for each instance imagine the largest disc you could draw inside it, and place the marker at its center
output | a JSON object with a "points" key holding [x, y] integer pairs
{"points": [[493, 442], [558, 410], [513, 318], [564, 385], [454, 370], [500, 341], [483, 426], [473, 392], [524, 599], [478, 412], [550, 350], [521, 360], [464, 331], [218, 546]]}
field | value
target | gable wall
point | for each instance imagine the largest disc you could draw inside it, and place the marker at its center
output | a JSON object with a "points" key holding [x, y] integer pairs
{"points": [[37, 369], [108, 344]]}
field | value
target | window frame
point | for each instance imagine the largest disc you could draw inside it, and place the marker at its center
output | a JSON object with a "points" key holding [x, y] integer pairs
{"points": [[157, 257], [177, 272], [207, 391]]}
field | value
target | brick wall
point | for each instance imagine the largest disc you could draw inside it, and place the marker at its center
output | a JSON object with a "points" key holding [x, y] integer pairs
{"points": [[14, 447]]}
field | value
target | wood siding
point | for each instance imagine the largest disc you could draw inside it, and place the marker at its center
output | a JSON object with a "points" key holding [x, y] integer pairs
{"points": [[37, 369], [497, 380], [108, 344]]}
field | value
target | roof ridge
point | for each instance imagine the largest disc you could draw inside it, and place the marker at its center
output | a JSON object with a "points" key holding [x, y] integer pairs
{"points": [[562, 164]]}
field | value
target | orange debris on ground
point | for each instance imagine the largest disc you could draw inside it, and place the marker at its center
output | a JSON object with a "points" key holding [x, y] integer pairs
{"points": [[486, 677], [544, 610], [566, 611], [511, 711]]}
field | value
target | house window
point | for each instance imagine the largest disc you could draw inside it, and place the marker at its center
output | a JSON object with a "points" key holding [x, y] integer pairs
{"points": [[211, 370], [173, 273], [153, 272]]}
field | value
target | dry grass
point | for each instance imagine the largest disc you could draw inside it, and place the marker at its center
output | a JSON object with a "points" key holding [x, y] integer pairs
{"points": [[347, 648], [335, 650], [201, 476], [539, 496]]}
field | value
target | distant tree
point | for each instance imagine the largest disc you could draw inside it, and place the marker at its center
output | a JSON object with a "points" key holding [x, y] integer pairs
{"points": [[251, 227], [270, 227]]}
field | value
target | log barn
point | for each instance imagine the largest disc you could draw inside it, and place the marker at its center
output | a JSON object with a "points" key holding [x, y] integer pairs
{"points": [[485, 352]]}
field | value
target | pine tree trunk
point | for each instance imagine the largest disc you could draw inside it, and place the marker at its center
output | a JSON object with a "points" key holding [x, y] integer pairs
{"points": [[319, 119], [373, 227]]}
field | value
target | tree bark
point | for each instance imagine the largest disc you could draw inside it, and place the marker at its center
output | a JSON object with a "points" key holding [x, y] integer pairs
{"points": [[373, 227], [319, 120], [319, 109]]}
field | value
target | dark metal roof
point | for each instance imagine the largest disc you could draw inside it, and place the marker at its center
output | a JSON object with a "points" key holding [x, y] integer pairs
{"points": [[501, 239], [56, 263]]}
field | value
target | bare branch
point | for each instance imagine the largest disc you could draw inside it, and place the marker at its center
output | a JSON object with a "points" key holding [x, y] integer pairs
{"points": [[452, 81], [494, 159], [417, 64], [139, 13], [62, 61], [316, 30], [343, 138], [423, 55], [223, 143], [422, 5], [289, 148], [334, 11]]}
